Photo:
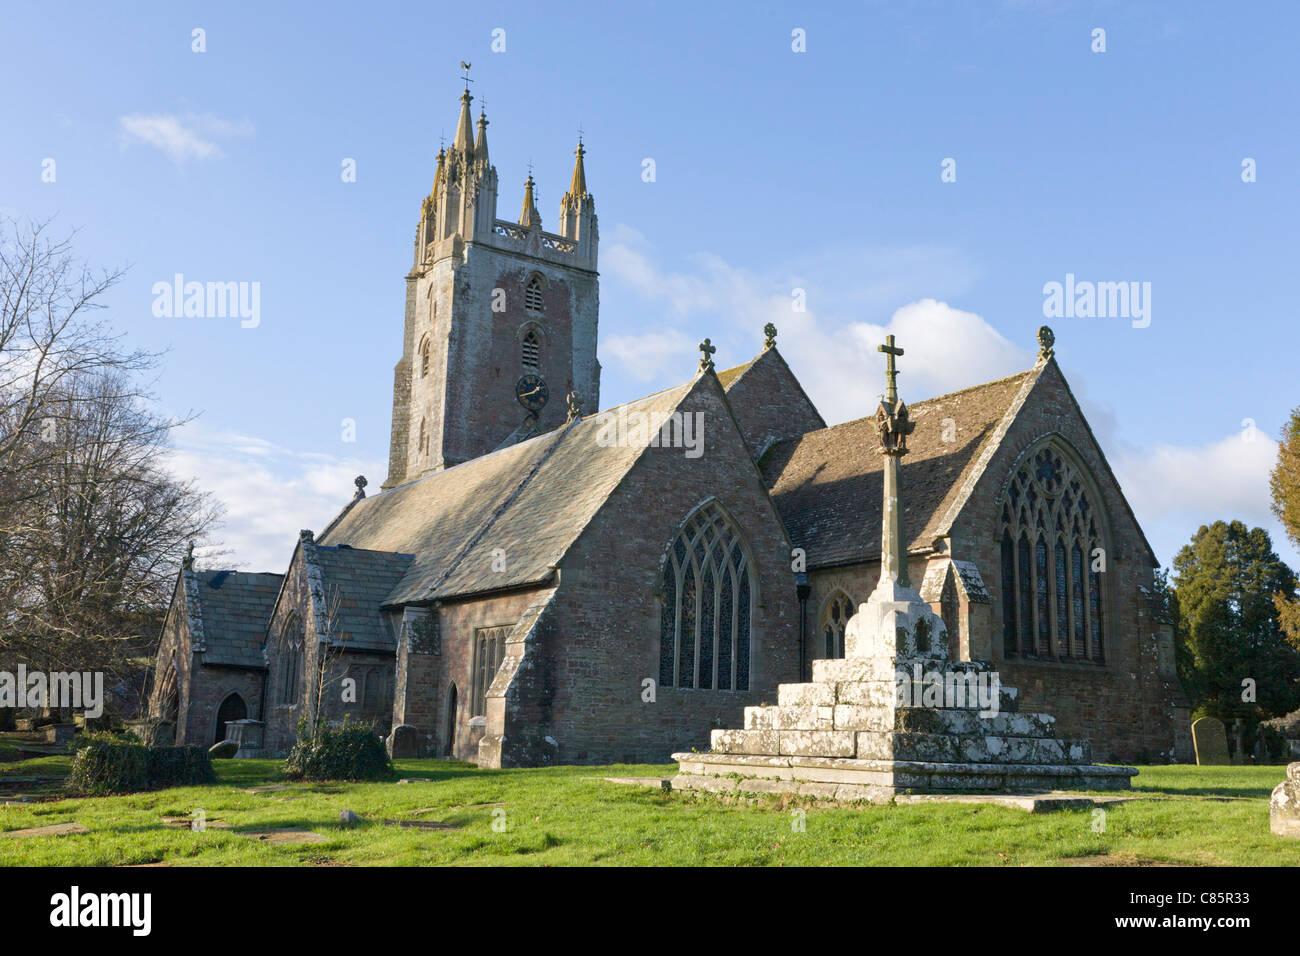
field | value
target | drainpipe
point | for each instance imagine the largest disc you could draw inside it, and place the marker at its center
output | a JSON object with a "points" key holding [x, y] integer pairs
{"points": [[802, 588]]}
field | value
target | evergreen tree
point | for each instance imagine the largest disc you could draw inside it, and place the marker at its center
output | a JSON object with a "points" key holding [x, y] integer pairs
{"points": [[1226, 580]]}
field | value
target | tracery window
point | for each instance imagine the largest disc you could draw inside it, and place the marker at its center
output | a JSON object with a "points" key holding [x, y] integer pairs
{"points": [[1053, 559], [708, 590], [489, 651], [834, 618]]}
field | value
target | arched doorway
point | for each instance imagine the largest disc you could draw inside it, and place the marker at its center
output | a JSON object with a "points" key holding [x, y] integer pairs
{"points": [[449, 735], [232, 708]]}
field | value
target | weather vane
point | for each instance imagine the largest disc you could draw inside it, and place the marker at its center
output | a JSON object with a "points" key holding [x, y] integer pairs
{"points": [[464, 65]]}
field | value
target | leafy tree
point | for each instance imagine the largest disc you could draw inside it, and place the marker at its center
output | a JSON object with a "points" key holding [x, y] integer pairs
{"points": [[1225, 582], [1284, 483]]}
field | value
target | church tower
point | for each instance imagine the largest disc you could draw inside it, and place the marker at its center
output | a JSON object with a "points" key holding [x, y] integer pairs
{"points": [[500, 316]]}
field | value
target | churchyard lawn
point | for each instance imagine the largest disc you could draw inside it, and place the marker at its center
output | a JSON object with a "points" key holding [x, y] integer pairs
{"points": [[570, 815]]}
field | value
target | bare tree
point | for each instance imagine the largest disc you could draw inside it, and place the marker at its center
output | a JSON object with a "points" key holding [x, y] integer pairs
{"points": [[92, 527], [49, 333]]}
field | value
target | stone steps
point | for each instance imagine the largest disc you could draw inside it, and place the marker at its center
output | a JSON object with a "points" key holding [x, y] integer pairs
{"points": [[879, 780], [920, 720], [892, 745], [880, 693]]}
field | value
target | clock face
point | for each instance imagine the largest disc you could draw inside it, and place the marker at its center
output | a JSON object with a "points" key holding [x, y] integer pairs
{"points": [[532, 392]]}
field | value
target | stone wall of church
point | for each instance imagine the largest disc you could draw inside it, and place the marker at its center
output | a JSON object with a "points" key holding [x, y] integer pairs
{"points": [[209, 687], [1124, 705], [173, 658], [770, 405], [472, 315], [200, 688], [601, 642], [437, 670], [484, 349]]}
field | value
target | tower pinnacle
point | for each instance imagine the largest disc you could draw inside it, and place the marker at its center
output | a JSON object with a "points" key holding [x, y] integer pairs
{"points": [[578, 185], [529, 216], [464, 140]]}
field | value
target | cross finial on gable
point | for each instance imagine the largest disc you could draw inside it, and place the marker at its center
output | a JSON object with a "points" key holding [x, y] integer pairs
{"points": [[769, 336], [707, 348], [891, 370], [188, 563], [361, 483]]}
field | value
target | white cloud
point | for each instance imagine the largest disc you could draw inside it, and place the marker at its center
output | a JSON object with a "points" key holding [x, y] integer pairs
{"points": [[947, 348], [190, 136], [269, 492], [1174, 489], [651, 354]]}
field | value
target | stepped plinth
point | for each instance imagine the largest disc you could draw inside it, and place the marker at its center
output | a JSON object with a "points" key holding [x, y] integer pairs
{"points": [[895, 715]]}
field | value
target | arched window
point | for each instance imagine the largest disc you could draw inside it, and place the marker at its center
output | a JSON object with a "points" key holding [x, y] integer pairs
{"points": [[1051, 538], [707, 596], [424, 356], [533, 295], [835, 616], [532, 352], [489, 651], [291, 659]]}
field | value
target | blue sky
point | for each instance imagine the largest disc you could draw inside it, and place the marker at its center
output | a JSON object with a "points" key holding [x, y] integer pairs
{"points": [[775, 170]]}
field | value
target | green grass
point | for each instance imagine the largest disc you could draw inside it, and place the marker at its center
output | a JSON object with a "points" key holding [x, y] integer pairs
{"points": [[568, 815]]}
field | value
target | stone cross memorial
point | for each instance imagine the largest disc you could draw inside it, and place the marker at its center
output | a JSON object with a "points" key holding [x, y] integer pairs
{"points": [[895, 715]]}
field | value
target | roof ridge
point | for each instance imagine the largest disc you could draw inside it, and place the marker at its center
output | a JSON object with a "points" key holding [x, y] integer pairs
{"points": [[911, 405]]}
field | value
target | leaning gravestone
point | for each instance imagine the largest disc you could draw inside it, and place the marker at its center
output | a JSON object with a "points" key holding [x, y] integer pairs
{"points": [[404, 742], [1211, 742], [1284, 807], [224, 750]]}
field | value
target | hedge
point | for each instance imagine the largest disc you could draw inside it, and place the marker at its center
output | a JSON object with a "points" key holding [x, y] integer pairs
{"points": [[349, 752], [110, 764]]}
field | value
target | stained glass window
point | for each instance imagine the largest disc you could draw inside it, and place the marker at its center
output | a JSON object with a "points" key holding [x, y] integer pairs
{"points": [[705, 621], [1052, 603]]}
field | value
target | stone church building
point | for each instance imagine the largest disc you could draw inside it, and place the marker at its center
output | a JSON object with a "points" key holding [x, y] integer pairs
{"points": [[535, 583]]}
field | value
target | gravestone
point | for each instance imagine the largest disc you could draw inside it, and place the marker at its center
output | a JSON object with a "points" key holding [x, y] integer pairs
{"points": [[224, 750], [404, 742], [1284, 807], [1211, 742]]}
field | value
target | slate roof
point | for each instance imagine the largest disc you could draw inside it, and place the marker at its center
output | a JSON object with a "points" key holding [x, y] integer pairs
{"points": [[531, 500], [828, 484], [356, 582], [234, 608]]}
